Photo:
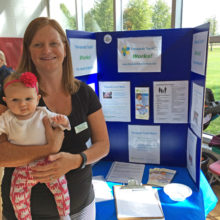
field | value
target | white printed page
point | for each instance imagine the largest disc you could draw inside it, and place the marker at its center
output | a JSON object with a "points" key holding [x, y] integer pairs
{"points": [[197, 109], [191, 154], [137, 203], [199, 48], [122, 172], [171, 102], [139, 54], [84, 58], [144, 144], [115, 100]]}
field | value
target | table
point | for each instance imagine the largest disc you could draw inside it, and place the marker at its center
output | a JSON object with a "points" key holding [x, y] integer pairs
{"points": [[195, 207]]}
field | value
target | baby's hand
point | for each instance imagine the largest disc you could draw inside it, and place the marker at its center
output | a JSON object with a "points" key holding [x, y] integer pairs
{"points": [[60, 120]]}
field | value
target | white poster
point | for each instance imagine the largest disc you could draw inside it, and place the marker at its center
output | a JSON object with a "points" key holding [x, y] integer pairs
{"points": [[115, 100], [144, 144], [171, 102], [142, 103], [199, 47], [139, 54], [84, 59], [196, 110], [191, 154]]}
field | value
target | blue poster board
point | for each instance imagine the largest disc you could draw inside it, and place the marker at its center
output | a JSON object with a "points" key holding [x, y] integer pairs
{"points": [[176, 65]]}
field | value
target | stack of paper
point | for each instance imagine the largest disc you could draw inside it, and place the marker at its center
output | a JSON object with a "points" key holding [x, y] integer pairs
{"points": [[160, 176], [122, 172], [101, 188]]}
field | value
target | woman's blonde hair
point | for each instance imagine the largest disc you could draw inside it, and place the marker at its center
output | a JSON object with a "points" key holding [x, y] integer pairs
{"points": [[70, 84], [2, 56]]}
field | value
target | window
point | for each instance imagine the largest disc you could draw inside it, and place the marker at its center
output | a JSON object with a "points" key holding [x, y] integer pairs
{"points": [[64, 12], [146, 14], [98, 15]]}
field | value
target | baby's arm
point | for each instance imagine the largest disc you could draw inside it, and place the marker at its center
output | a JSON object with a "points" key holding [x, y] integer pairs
{"points": [[57, 120], [61, 121]]}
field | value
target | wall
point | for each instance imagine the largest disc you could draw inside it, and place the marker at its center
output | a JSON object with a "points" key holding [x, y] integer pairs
{"points": [[15, 15]]}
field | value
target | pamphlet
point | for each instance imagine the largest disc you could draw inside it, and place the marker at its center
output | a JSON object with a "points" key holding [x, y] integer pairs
{"points": [[142, 103], [160, 176]]}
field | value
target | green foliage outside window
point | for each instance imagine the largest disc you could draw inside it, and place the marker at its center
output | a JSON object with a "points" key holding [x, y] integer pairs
{"points": [[161, 17], [103, 14], [70, 20], [138, 15], [213, 82]]}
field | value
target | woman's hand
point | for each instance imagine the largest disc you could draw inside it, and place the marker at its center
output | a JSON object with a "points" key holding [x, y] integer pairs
{"points": [[54, 136], [58, 165]]}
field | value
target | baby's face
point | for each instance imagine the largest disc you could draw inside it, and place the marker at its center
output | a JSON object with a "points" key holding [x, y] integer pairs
{"points": [[21, 100]]}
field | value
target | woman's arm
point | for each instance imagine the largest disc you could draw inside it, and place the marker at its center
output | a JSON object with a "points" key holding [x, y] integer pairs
{"points": [[12, 155], [100, 140], [64, 162]]}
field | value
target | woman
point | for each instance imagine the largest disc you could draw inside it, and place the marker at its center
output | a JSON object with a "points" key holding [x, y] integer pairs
{"points": [[46, 53]]}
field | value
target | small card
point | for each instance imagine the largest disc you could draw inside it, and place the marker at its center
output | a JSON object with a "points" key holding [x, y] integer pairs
{"points": [[81, 127]]}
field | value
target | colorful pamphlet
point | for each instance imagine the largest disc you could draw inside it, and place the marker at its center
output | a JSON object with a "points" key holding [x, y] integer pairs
{"points": [[160, 176]]}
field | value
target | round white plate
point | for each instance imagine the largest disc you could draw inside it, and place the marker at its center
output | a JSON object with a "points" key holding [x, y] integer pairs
{"points": [[177, 191]]}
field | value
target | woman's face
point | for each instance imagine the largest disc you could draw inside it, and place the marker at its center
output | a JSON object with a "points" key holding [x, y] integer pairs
{"points": [[47, 50]]}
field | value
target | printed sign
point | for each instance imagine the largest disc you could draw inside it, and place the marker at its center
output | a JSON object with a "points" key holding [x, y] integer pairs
{"points": [[199, 52], [84, 57], [139, 54]]}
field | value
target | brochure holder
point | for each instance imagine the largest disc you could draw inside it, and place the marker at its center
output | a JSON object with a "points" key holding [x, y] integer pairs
{"points": [[180, 143]]}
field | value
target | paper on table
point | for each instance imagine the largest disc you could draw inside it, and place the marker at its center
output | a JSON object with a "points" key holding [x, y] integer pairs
{"points": [[101, 188], [137, 203], [121, 172]]}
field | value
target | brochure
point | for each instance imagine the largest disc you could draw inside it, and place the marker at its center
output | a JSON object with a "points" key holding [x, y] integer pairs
{"points": [[160, 176]]}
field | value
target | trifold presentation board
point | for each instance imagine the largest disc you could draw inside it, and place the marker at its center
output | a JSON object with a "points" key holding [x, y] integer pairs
{"points": [[151, 85]]}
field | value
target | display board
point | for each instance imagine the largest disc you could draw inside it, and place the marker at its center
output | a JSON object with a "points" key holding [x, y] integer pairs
{"points": [[151, 85]]}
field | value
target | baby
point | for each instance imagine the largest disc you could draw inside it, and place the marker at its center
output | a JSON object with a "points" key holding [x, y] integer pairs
{"points": [[23, 125]]}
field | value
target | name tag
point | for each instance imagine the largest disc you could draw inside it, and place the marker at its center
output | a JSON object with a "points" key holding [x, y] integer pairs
{"points": [[81, 127]]}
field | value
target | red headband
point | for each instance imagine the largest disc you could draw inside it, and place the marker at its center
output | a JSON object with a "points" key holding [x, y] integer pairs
{"points": [[27, 78]]}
